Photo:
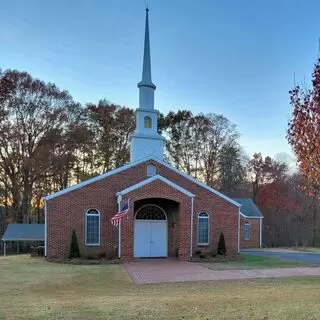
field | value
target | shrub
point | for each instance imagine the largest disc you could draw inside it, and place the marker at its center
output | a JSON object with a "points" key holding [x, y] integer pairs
{"points": [[222, 245], [74, 248], [102, 255], [198, 252], [40, 251], [202, 256]]}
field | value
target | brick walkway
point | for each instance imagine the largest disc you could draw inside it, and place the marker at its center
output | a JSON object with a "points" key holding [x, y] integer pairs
{"points": [[166, 270]]}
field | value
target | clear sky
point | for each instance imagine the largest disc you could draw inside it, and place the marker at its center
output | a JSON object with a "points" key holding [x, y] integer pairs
{"points": [[230, 57]]}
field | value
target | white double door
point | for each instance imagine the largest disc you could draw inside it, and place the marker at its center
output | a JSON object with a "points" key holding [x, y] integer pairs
{"points": [[150, 238]]}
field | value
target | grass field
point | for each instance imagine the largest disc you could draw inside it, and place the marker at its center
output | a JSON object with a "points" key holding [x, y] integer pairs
{"points": [[31, 288], [255, 262], [307, 249]]}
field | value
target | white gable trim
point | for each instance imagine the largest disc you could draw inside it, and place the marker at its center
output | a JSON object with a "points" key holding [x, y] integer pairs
{"points": [[152, 179], [219, 194], [95, 179], [250, 217], [132, 164]]}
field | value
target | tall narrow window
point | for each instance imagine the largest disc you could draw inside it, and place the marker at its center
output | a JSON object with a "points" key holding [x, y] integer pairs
{"points": [[92, 236], [147, 122], [247, 231], [203, 228]]}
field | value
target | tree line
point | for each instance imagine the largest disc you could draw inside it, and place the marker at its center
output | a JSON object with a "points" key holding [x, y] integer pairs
{"points": [[48, 141]]}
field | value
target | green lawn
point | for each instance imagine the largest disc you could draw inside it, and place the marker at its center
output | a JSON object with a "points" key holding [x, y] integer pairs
{"points": [[307, 249], [31, 288], [254, 262]]}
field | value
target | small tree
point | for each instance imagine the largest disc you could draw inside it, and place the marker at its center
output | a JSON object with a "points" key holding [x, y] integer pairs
{"points": [[222, 245], [74, 248]]}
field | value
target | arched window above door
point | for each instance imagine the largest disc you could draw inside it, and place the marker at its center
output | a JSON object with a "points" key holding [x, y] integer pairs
{"points": [[150, 212]]}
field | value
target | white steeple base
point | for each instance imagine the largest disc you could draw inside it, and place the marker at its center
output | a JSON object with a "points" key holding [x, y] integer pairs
{"points": [[143, 145]]}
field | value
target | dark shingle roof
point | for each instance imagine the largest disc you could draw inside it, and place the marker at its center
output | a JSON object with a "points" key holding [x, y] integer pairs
{"points": [[248, 208], [24, 231]]}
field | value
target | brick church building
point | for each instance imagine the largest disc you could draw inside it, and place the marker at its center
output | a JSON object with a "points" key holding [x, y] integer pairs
{"points": [[170, 213]]}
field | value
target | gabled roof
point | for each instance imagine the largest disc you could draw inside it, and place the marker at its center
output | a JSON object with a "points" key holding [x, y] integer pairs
{"points": [[154, 178], [24, 231], [135, 163], [248, 208]]}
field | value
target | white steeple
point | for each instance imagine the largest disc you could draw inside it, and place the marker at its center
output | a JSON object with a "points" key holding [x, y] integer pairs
{"points": [[145, 140], [146, 68]]}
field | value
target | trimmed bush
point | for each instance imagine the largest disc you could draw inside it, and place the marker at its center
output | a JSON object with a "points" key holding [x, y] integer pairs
{"points": [[222, 245], [102, 255], [74, 248]]}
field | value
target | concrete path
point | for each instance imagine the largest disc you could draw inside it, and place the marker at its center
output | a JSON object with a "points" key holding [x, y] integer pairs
{"points": [[285, 254], [162, 271]]}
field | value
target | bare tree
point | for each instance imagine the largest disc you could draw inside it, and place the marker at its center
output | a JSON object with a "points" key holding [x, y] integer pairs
{"points": [[35, 117]]}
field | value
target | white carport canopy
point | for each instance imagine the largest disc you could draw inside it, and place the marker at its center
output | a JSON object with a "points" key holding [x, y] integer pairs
{"points": [[23, 232]]}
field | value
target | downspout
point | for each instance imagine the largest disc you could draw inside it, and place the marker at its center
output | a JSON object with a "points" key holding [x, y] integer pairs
{"points": [[119, 229], [260, 232], [45, 229], [239, 231], [191, 229]]}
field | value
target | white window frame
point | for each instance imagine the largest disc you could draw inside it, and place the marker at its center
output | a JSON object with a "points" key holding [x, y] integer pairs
{"points": [[147, 120], [208, 218], [247, 224], [153, 168], [85, 231]]}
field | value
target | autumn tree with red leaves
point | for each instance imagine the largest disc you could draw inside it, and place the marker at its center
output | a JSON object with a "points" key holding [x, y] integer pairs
{"points": [[304, 129], [304, 137]]}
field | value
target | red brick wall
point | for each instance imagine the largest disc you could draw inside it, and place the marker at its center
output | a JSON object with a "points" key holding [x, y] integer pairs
{"points": [[67, 213], [159, 189], [254, 241]]}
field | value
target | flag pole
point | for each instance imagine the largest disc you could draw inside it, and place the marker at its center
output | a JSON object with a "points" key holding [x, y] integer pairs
{"points": [[119, 229]]}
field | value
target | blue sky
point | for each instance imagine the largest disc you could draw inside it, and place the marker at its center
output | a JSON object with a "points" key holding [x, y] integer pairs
{"points": [[230, 57]]}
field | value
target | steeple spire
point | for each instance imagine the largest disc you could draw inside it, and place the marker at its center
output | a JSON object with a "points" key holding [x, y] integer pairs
{"points": [[146, 69], [146, 140]]}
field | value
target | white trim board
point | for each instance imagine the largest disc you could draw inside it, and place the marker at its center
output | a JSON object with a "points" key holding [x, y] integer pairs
{"points": [[94, 179], [135, 163], [250, 217], [201, 184], [152, 179]]}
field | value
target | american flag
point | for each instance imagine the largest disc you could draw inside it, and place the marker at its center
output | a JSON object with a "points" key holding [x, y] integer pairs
{"points": [[116, 219]]}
